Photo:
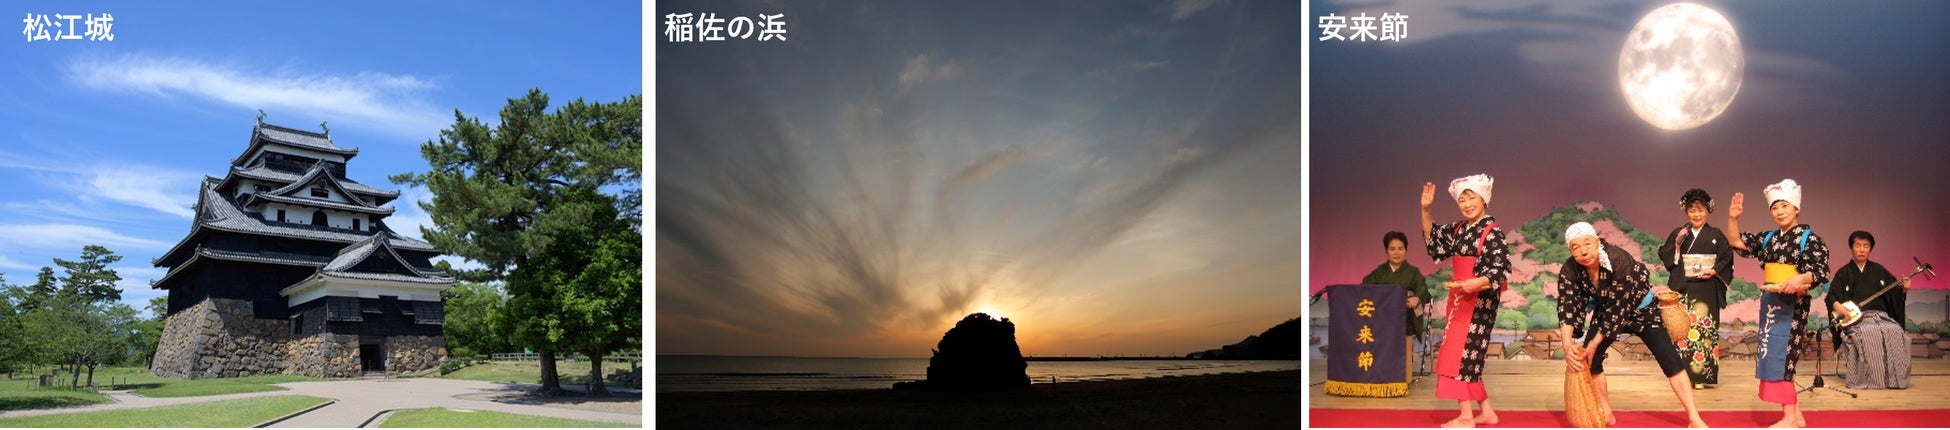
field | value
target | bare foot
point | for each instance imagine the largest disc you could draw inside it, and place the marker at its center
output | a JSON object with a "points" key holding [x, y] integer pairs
{"points": [[1697, 423], [1462, 422], [1487, 418], [1789, 423], [1610, 420]]}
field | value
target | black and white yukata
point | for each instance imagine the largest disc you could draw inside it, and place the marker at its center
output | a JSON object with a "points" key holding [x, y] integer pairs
{"points": [[1474, 249], [1612, 300], [1775, 366]]}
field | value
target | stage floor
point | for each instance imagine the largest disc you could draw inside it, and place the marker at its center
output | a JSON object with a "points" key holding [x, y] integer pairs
{"points": [[1530, 385]]}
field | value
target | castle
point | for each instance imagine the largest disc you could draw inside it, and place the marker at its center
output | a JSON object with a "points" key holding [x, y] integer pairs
{"points": [[289, 267]]}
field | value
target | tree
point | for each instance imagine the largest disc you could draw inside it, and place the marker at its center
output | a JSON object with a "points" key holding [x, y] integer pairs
{"points": [[31, 296], [90, 277], [584, 292], [1511, 319], [11, 358], [145, 334], [492, 186], [73, 320], [470, 313]]}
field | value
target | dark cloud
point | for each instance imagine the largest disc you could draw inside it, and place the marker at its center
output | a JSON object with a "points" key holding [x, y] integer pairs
{"points": [[870, 183]]}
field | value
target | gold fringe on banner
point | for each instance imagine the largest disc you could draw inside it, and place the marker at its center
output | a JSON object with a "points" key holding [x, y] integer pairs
{"points": [[1357, 389]]}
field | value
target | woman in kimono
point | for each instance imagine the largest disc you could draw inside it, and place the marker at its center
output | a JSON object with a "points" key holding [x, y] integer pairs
{"points": [[1397, 271], [1604, 279], [1881, 347], [1795, 261], [1704, 288], [1480, 259]]}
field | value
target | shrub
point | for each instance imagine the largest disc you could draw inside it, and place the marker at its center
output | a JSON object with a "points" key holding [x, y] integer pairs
{"points": [[451, 365]]}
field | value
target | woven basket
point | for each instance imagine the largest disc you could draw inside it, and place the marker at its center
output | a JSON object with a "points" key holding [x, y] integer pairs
{"points": [[1677, 320], [1581, 398]]}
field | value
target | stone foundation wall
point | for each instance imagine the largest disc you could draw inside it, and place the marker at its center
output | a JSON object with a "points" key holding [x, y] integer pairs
{"points": [[220, 338], [324, 355], [415, 353]]}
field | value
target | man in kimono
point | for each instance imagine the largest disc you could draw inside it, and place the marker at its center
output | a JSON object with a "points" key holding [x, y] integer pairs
{"points": [[1795, 261], [1706, 289], [1881, 348], [1602, 280], [1480, 259]]}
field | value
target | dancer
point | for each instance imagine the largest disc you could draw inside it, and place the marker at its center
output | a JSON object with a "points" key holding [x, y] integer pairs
{"points": [[1881, 358], [1480, 259], [1704, 285], [1604, 279], [1795, 260]]}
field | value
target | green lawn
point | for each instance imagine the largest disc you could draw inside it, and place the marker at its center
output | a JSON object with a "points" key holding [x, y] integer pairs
{"points": [[18, 394], [226, 413], [146, 384], [441, 417], [531, 373]]}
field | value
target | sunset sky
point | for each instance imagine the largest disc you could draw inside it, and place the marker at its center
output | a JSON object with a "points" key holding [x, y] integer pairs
{"points": [[1848, 98], [1116, 178]]}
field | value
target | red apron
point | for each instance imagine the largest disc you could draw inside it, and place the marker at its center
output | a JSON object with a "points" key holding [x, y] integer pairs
{"points": [[1455, 337], [1462, 308]]}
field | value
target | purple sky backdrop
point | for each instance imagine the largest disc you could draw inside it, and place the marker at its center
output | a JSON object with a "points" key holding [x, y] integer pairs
{"points": [[1850, 99]]}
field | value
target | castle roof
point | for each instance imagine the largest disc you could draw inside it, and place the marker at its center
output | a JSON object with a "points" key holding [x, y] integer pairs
{"points": [[218, 213], [268, 134]]}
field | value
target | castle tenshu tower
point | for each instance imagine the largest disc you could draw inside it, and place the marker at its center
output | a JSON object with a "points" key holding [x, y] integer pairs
{"points": [[289, 267]]}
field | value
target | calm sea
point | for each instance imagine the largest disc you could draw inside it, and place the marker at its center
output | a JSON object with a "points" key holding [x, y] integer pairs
{"points": [[678, 373]]}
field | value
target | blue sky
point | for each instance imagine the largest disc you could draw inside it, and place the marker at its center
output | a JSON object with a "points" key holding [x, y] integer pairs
{"points": [[1116, 177], [104, 141]]}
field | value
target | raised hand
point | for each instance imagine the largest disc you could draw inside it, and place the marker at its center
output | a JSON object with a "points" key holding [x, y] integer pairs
{"points": [[1738, 207], [1428, 194]]}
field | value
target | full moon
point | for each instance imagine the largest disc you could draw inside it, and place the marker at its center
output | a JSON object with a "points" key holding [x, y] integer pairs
{"points": [[1681, 66]]}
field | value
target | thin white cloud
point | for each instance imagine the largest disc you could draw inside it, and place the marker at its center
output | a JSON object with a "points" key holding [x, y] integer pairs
{"points": [[136, 290], [922, 68], [53, 210], [72, 236], [407, 217], [154, 189], [11, 264], [384, 102], [1182, 9], [94, 186]]}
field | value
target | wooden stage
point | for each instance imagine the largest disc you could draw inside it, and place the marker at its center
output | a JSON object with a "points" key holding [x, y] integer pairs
{"points": [[1535, 385]]}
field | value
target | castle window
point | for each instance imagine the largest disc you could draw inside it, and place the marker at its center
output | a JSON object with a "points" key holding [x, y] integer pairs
{"points": [[281, 215], [298, 324], [430, 313], [355, 223], [342, 309], [318, 218], [320, 193]]}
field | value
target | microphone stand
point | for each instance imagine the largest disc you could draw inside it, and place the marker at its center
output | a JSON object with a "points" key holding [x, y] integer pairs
{"points": [[1426, 357], [1819, 383]]}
